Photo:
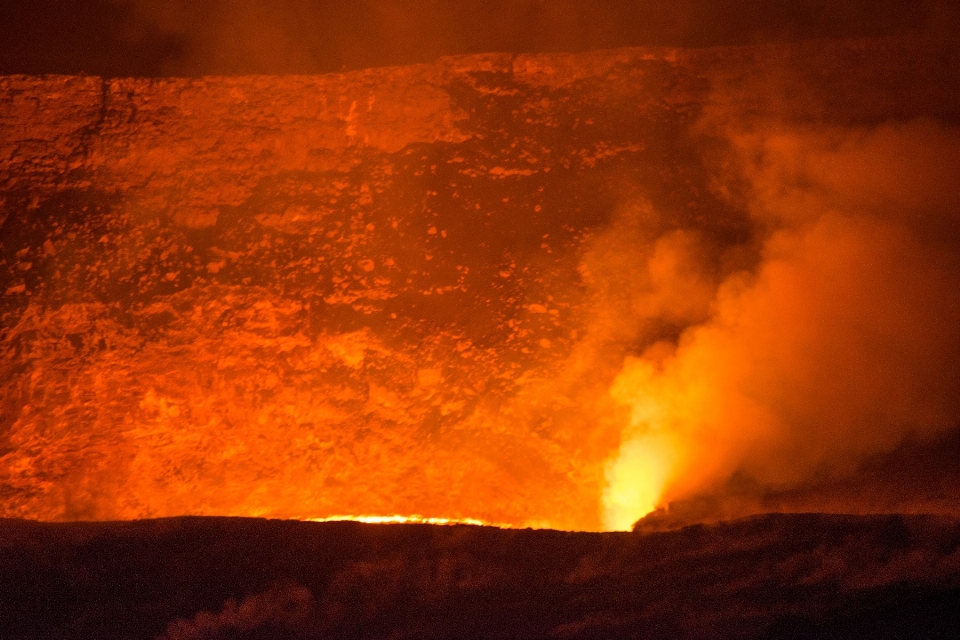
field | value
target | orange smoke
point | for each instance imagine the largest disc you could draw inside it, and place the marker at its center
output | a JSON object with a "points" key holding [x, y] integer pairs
{"points": [[838, 345]]}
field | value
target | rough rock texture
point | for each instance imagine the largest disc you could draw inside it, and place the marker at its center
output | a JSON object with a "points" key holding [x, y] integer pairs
{"points": [[789, 576], [361, 293]]}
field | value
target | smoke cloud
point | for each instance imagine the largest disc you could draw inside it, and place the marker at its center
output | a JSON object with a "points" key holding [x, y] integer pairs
{"points": [[837, 345]]}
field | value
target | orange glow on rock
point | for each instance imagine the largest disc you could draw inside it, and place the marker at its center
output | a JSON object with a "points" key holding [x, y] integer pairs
{"points": [[537, 291]]}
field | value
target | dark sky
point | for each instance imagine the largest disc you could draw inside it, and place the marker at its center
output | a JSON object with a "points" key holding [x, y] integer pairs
{"points": [[198, 37]]}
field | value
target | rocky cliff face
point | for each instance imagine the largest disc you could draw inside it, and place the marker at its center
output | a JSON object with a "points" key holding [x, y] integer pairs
{"points": [[371, 292]]}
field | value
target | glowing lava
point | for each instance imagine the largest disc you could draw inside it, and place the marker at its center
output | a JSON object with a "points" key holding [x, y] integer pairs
{"points": [[412, 519]]}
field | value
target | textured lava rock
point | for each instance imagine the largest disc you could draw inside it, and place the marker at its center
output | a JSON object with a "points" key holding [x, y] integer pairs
{"points": [[364, 292]]}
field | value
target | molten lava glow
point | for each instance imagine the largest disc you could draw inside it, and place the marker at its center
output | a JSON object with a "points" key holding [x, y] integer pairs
{"points": [[412, 519], [636, 478], [639, 473]]}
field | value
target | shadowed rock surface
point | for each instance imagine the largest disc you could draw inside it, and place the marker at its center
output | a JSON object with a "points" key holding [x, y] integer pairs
{"points": [[775, 576]]}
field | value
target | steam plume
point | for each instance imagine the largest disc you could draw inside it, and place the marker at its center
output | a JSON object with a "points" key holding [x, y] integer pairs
{"points": [[840, 343]]}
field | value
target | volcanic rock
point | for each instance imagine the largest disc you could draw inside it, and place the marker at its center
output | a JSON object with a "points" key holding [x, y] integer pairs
{"points": [[364, 293]]}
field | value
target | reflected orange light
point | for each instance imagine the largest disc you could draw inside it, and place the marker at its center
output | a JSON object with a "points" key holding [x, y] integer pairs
{"points": [[468, 293]]}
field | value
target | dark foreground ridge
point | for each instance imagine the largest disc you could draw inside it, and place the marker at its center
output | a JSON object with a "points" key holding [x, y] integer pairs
{"points": [[771, 576]]}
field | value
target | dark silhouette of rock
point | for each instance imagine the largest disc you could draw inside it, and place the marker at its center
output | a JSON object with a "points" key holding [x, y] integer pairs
{"points": [[774, 576]]}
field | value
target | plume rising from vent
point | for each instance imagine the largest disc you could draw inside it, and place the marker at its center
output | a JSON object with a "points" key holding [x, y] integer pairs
{"points": [[838, 345]]}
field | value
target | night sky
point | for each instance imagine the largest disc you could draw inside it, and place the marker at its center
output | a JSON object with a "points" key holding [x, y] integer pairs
{"points": [[115, 38]]}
